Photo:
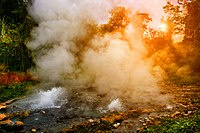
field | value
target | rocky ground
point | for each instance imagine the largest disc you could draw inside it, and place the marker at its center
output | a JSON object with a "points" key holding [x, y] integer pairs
{"points": [[82, 116]]}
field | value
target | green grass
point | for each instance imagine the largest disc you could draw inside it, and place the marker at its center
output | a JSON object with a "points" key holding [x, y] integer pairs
{"points": [[14, 91], [176, 125]]}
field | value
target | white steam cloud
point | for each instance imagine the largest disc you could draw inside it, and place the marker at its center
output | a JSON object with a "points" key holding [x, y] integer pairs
{"points": [[109, 63]]}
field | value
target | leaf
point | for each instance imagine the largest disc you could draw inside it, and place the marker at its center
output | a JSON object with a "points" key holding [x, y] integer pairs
{"points": [[19, 123], [2, 116]]}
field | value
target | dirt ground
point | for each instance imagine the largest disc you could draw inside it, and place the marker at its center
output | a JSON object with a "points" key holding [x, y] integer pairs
{"points": [[73, 118], [184, 99]]}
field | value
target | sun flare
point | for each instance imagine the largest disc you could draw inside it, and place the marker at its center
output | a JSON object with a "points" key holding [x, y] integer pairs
{"points": [[163, 27]]}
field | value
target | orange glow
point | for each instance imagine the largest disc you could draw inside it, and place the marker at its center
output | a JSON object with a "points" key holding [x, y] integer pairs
{"points": [[178, 38]]}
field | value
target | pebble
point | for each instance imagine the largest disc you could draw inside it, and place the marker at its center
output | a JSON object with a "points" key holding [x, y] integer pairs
{"points": [[116, 125], [90, 120], [33, 130]]}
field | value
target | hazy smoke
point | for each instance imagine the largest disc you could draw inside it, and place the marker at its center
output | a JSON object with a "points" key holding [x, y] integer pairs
{"points": [[109, 63]]}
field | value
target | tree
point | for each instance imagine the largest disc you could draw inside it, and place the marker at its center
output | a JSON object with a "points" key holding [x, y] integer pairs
{"points": [[140, 22], [175, 19], [15, 27], [192, 32], [192, 19], [118, 21]]}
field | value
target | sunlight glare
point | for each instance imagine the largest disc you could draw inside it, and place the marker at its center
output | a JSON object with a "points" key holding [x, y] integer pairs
{"points": [[163, 27]]}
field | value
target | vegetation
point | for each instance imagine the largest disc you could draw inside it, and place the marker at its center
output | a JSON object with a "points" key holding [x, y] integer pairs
{"points": [[14, 91], [119, 20], [15, 27], [176, 125], [176, 50], [15, 57]]}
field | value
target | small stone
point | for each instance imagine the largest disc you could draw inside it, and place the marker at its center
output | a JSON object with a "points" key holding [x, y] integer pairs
{"points": [[91, 121], [147, 119], [3, 107], [141, 121], [23, 114], [116, 125], [189, 112], [43, 112], [19, 123], [33, 130], [144, 124], [169, 107], [6, 122]]}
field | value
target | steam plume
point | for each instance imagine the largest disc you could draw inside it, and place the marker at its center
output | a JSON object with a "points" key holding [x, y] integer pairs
{"points": [[65, 52]]}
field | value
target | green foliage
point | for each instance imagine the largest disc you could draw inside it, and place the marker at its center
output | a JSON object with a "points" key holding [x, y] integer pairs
{"points": [[180, 125], [13, 11], [13, 91], [15, 57], [15, 27]]}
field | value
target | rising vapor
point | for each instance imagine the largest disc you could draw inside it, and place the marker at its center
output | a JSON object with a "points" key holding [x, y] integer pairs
{"points": [[67, 49]]}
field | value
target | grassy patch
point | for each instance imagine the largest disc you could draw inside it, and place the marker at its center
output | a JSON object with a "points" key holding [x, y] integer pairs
{"points": [[13, 91], [176, 125]]}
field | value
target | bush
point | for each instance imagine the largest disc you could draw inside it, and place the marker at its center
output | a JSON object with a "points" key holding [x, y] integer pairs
{"points": [[13, 91]]}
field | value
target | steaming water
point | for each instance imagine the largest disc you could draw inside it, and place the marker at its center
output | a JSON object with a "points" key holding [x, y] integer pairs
{"points": [[115, 105], [53, 98], [47, 99]]}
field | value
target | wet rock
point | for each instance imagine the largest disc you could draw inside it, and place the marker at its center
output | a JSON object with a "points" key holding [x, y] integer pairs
{"points": [[6, 122], [33, 130], [23, 114], [141, 121], [19, 123], [91, 120], [43, 112], [2, 106], [9, 101], [10, 126], [116, 125], [144, 124]]}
